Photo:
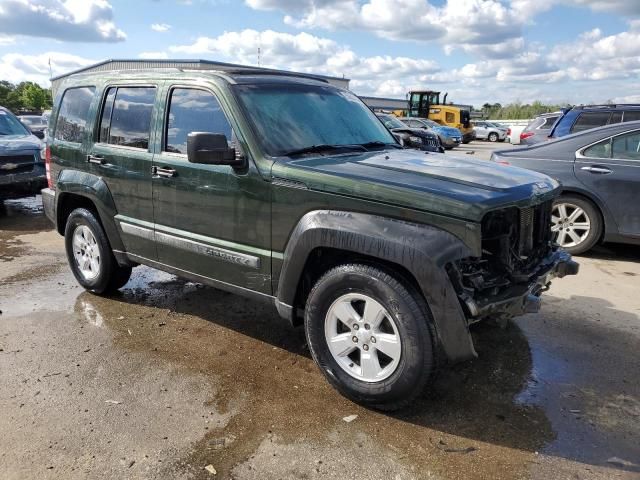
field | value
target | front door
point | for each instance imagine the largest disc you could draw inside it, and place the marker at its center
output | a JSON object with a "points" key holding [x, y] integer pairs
{"points": [[210, 220], [122, 157], [611, 168]]}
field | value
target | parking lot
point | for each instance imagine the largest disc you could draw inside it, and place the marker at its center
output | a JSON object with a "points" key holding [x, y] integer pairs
{"points": [[168, 377]]}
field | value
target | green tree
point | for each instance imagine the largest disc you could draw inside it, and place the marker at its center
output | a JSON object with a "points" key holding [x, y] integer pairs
{"points": [[34, 97]]}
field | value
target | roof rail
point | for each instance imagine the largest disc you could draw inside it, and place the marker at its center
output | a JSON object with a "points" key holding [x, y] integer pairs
{"points": [[610, 105]]}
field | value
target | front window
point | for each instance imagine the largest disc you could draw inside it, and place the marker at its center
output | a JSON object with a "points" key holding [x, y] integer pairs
{"points": [[391, 122], [292, 117], [10, 125]]}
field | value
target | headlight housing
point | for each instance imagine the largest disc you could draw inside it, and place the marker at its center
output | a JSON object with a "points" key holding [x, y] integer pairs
{"points": [[415, 139]]}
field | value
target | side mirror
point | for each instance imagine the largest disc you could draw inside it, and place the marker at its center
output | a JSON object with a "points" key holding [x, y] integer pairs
{"points": [[211, 149]]}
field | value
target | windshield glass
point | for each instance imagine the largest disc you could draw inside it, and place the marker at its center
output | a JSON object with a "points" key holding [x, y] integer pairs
{"points": [[391, 122], [10, 125], [430, 123], [31, 120], [293, 117]]}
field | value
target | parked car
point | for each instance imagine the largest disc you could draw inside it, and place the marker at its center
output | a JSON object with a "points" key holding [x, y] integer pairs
{"points": [[489, 131], [286, 189], [600, 178], [417, 138], [577, 119], [539, 128], [22, 169], [449, 137], [35, 123]]}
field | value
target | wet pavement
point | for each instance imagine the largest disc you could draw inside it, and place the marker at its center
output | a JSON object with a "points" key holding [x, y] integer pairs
{"points": [[169, 376]]}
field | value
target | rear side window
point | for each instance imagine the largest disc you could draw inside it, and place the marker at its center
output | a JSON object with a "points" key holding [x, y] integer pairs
{"points": [[627, 146], [126, 116], [589, 120], [631, 115], [192, 110], [74, 113]]}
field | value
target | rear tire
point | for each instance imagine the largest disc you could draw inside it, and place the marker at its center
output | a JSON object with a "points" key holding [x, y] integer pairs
{"points": [[576, 223], [90, 256], [383, 364]]}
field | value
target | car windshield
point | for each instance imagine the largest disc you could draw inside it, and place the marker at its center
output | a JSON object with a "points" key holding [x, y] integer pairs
{"points": [[391, 121], [31, 120], [290, 118], [10, 125], [430, 123]]}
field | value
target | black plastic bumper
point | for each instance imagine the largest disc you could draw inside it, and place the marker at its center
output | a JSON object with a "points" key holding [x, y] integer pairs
{"points": [[22, 188], [524, 297]]}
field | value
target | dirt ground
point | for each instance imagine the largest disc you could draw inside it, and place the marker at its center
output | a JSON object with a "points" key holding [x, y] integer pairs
{"points": [[169, 376]]}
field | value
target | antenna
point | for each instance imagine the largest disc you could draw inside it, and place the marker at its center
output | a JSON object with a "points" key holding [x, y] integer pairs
{"points": [[258, 56], [50, 71]]}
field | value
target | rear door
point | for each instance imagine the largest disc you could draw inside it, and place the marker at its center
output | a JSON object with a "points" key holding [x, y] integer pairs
{"points": [[211, 220], [121, 156], [611, 169]]}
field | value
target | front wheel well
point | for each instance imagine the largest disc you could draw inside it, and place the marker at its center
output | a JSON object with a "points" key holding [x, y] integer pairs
{"points": [[68, 203], [323, 259]]}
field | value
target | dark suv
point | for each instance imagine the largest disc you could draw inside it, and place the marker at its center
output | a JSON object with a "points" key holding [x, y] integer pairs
{"points": [[21, 164], [285, 189], [581, 118]]}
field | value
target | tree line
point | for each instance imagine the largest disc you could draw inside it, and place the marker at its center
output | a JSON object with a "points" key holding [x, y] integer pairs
{"points": [[24, 97], [518, 111]]}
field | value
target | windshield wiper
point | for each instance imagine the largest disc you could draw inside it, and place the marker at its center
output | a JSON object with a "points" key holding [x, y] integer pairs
{"points": [[378, 143], [323, 148]]}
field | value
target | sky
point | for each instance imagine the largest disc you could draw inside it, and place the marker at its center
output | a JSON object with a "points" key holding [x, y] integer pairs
{"points": [[480, 51]]}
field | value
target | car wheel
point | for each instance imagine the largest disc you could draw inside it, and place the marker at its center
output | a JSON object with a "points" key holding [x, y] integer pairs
{"points": [[90, 256], [493, 137], [576, 223], [370, 335]]}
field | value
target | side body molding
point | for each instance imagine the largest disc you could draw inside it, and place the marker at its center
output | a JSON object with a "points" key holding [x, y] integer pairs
{"points": [[95, 189], [421, 249]]}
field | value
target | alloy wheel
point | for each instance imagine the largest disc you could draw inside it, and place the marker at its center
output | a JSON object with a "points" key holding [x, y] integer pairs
{"points": [[570, 223], [86, 252], [362, 337]]}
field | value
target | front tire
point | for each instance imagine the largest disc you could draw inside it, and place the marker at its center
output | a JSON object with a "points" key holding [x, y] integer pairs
{"points": [[90, 256], [493, 137], [576, 223], [371, 336]]}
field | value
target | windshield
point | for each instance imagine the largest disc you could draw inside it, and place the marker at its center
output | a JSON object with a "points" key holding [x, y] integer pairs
{"points": [[32, 120], [430, 123], [10, 125], [391, 122], [287, 118]]}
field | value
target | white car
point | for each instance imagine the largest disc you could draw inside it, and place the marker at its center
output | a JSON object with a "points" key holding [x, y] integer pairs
{"points": [[489, 131]]}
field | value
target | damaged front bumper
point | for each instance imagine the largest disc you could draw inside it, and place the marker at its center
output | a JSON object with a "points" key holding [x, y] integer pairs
{"points": [[522, 297]]}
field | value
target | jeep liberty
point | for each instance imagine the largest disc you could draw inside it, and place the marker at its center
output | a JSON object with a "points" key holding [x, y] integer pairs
{"points": [[283, 188]]}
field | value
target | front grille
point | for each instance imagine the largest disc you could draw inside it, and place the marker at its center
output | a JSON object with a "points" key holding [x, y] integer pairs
{"points": [[432, 142], [525, 238], [13, 164]]}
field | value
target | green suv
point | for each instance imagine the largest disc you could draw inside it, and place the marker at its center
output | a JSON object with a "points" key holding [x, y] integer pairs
{"points": [[285, 189]]}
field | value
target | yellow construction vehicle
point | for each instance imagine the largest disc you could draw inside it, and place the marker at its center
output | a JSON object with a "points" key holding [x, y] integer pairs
{"points": [[426, 104]]}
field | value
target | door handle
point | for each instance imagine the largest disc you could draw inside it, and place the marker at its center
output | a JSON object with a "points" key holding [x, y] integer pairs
{"points": [[95, 159], [163, 172], [596, 169]]}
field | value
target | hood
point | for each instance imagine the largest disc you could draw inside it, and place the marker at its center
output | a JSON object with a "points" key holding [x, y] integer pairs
{"points": [[447, 131], [418, 132], [443, 184], [9, 143]]}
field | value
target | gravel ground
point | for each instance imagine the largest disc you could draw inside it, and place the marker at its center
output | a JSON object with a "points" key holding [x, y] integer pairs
{"points": [[168, 377]]}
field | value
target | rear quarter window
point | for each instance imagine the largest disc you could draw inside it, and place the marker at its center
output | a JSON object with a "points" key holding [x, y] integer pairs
{"points": [[631, 115], [73, 115]]}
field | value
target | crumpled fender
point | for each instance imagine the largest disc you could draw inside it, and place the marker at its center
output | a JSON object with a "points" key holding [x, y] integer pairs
{"points": [[422, 249], [95, 189]]}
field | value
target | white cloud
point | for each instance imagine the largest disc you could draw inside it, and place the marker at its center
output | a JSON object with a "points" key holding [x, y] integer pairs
{"points": [[160, 27], [16, 67], [303, 52], [68, 20], [6, 40], [455, 24]]}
